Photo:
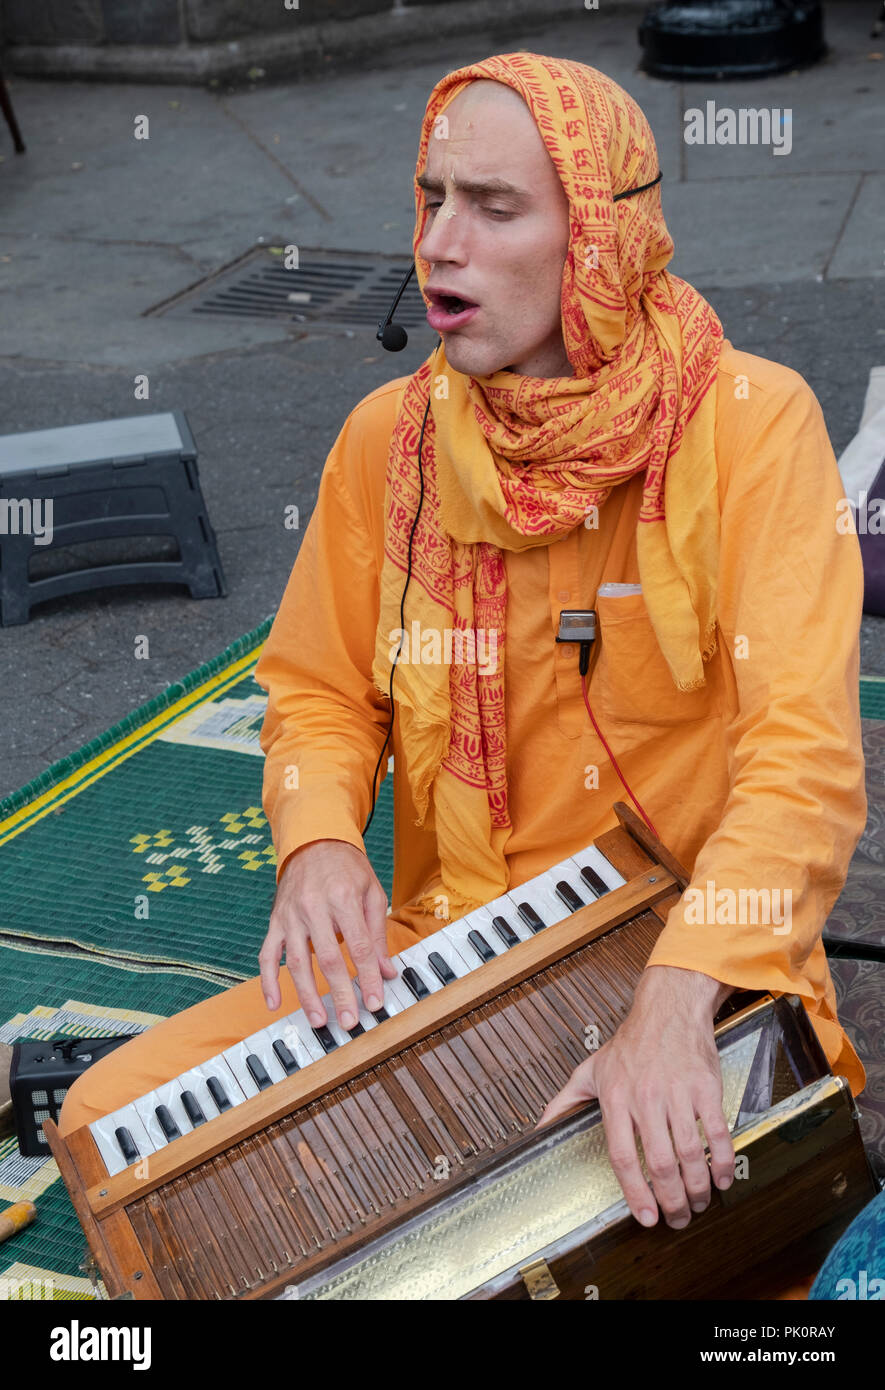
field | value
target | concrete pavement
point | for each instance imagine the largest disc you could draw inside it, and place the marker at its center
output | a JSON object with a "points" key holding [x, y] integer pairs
{"points": [[96, 228]]}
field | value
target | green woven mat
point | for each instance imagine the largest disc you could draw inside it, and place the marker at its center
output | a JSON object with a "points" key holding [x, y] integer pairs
{"points": [[872, 697], [165, 856]]}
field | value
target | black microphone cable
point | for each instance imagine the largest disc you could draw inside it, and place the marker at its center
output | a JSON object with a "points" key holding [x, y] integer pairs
{"points": [[402, 606], [394, 338]]}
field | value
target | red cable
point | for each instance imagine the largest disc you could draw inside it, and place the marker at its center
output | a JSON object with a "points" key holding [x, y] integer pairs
{"points": [[614, 761]]}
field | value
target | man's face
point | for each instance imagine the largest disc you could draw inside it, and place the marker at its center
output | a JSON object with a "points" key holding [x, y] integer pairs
{"points": [[504, 251]]}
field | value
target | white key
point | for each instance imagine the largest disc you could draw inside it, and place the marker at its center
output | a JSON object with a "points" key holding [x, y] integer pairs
{"points": [[262, 1045], [398, 988], [503, 907], [607, 872], [363, 1016], [568, 871], [235, 1058], [340, 1034], [416, 957], [103, 1133], [445, 947], [287, 1030], [301, 1023], [480, 921], [391, 1002], [541, 895], [195, 1081], [169, 1095]]}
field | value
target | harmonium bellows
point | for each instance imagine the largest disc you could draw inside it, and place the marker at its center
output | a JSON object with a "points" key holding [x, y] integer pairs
{"points": [[403, 1160]]}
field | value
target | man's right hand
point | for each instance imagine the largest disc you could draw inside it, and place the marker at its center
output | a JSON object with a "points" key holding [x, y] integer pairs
{"points": [[328, 885]]}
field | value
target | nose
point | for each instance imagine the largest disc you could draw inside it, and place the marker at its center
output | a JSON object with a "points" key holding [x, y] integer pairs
{"points": [[443, 238]]}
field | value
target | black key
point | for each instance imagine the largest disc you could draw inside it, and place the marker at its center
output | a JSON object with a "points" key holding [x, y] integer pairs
{"points": [[284, 1057], [530, 917], [594, 882], [480, 945], [505, 931], [325, 1039], [258, 1071], [443, 972], [127, 1144], [355, 1032], [192, 1108], [218, 1093], [566, 892], [414, 982], [167, 1123]]}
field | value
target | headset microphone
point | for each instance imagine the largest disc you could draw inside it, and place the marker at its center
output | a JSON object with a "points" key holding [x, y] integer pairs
{"points": [[393, 336]]}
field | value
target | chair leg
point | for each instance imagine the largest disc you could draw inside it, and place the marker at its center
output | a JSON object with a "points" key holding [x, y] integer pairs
{"points": [[6, 108]]}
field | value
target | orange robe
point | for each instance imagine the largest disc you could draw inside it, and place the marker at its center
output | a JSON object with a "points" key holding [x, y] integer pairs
{"points": [[755, 781]]}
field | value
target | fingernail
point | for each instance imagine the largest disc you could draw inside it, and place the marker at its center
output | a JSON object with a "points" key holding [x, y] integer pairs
{"points": [[316, 1018], [647, 1217], [347, 1019], [373, 1003], [724, 1183], [678, 1223], [269, 1002], [699, 1206]]}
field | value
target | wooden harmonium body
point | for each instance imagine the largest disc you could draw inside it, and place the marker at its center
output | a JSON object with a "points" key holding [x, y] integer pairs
{"points": [[406, 1163]]}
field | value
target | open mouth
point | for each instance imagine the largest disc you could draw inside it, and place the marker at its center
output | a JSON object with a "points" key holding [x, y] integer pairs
{"points": [[451, 303]]}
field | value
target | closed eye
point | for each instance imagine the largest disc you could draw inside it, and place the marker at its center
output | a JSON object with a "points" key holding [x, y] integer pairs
{"points": [[499, 214]]}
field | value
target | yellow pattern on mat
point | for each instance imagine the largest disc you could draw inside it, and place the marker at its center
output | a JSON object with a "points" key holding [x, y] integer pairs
{"points": [[124, 748], [27, 1282]]}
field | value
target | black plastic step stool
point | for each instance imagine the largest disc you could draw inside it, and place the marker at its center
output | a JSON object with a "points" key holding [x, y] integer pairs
{"points": [[115, 478]]}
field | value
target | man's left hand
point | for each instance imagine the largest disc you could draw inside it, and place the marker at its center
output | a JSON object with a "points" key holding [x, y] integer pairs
{"points": [[656, 1078]]}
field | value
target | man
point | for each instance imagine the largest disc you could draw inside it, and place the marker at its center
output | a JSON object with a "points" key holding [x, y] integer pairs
{"points": [[585, 425]]}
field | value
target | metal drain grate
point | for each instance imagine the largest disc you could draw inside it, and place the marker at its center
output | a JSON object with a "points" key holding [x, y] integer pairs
{"points": [[331, 288]]}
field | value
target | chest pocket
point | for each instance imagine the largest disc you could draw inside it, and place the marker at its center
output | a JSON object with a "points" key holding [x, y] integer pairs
{"points": [[631, 682]]}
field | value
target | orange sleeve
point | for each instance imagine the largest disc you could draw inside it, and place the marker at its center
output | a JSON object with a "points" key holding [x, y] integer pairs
{"points": [[790, 600], [325, 723]]}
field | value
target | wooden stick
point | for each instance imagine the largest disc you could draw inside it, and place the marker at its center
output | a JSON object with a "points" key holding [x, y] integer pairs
{"points": [[635, 826], [15, 1218]]}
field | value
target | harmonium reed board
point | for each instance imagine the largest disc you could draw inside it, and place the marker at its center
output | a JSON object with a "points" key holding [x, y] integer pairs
{"points": [[407, 1164]]}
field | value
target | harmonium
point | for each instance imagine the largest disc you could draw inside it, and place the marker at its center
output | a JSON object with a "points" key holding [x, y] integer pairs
{"points": [[404, 1160]]}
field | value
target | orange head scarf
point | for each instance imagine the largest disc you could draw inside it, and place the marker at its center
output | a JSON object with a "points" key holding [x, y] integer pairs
{"points": [[512, 461]]}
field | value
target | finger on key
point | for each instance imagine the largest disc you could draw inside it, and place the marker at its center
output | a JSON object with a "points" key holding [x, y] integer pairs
{"points": [[299, 961], [269, 958], [377, 908], [334, 970], [362, 952]]}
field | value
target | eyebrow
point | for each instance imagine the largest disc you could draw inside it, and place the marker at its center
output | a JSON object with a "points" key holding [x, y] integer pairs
{"points": [[499, 187]]}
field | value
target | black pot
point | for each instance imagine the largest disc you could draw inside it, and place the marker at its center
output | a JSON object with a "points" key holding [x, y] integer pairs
{"points": [[731, 38]]}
